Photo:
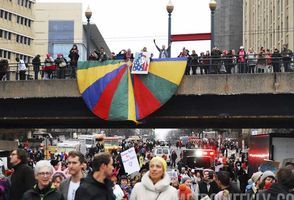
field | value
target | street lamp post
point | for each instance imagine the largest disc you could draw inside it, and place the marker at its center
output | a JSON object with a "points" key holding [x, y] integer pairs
{"points": [[169, 8], [88, 15], [212, 6]]}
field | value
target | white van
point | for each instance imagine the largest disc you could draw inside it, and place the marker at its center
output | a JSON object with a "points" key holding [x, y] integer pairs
{"points": [[160, 151]]}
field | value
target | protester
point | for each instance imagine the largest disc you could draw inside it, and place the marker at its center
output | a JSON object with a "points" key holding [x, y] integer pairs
{"points": [[22, 179], [267, 179], [36, 64], [207, 186], [21, 67], [155, 183], [4, 183], [255, 178], [74, 57], [44, 189], [163, 52], [117, 191], [98, 185], [185, 192], [282, 189], [75, 161], [124, 185], [57, 180], [227, 189]]}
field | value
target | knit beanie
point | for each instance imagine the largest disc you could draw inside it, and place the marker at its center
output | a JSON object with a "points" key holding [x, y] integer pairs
{"points": [[185, 178], [256, 176], [267, 174], [161, 160]]}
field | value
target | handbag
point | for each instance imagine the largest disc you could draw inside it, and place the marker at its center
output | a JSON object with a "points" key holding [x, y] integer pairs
{"points": [[62, 64]]}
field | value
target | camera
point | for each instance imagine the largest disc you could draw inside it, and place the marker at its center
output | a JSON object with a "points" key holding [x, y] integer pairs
{"points": [[210, 175]]}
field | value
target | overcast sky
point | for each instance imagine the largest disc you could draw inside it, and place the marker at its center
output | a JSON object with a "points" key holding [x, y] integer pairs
{"points": [[134, 23]]}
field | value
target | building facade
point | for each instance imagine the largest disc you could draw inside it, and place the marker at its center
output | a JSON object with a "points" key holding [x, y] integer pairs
{"points": [[16, 29], [268, 24], [228, 24], [60, 25], [57, 27]]}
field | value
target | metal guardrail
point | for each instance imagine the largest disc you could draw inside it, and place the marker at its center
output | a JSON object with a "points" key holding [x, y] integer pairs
{"points": [[203, 65]]}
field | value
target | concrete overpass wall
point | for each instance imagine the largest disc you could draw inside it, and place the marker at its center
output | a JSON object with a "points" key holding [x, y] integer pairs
{"points": [[278, 83]]}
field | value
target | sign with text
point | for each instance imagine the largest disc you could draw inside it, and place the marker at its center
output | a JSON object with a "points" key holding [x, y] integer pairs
{"points": [[130, 161]]}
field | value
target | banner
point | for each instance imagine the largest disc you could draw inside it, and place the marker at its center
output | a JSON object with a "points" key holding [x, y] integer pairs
{"points": [[141, 63], [130, 161]]}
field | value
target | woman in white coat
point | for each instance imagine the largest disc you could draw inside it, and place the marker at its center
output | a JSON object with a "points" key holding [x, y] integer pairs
{"points": [[155, 184]]}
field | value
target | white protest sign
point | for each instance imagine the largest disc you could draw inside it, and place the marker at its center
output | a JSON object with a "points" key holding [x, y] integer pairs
{"points": [[130, 161]]}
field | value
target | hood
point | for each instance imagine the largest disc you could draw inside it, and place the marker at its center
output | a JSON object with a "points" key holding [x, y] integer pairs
{"points": [[160, 186], [183, 187]]}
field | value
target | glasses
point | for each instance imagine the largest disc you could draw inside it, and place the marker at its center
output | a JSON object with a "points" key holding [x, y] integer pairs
{"points": [[44, 173]]}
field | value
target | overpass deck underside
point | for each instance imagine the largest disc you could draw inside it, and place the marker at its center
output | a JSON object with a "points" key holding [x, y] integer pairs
{"points": [[182, 111]]}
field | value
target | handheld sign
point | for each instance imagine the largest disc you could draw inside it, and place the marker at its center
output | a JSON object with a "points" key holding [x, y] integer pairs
{"points": [[130, 161], [141, 63]]}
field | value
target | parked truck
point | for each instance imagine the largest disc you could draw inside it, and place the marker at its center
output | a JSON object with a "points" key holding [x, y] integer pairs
{"points": [[274, 146]]}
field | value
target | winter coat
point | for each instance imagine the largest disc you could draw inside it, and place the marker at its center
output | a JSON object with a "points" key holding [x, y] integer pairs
{"points": [[90, 189], [146, 190], [276, 191], [22, 180], [49, 193]]}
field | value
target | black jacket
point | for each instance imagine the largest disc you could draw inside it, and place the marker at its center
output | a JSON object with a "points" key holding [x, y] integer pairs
{"points": [[276, 191], [90, 189], [203, 189], [49, 193], [22, 180]]}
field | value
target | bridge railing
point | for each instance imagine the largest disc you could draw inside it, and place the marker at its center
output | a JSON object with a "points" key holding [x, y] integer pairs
{"points": [[11, 72], [201, 65]]}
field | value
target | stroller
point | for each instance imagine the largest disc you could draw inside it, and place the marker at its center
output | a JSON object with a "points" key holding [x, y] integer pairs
{"points": [[3, 70]]}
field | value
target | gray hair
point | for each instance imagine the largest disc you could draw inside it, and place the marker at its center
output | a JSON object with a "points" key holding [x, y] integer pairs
{"points": [[43, 164]]}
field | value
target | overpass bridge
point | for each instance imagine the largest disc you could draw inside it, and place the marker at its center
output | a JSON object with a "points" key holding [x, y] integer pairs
{"points": [[207, 101]]}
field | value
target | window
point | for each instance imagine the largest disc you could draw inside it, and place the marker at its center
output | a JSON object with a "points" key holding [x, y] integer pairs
{"points": [[159, 151], [17, 38], [17, 19], [1, 13], [30, 5], [5, 15], [9, 36], [1, 53], [1, 33], [29, 41], [10, 15], [9, 55], [29, 23]]}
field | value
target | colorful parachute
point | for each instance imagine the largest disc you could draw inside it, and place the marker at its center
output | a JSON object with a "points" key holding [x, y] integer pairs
{"points": [[112, 93]]}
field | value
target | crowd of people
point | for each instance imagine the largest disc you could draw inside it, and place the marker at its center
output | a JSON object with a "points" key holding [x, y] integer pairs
{"points": [[215, 62], [101, 175]]}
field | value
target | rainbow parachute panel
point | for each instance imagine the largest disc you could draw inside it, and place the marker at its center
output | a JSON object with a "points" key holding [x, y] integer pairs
{"points": [[111, 92]]}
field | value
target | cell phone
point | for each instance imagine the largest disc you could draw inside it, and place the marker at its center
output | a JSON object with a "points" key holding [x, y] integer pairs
{"points": [[210, 176]]}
